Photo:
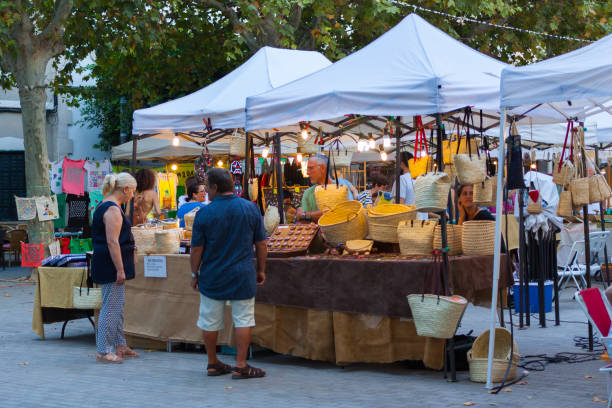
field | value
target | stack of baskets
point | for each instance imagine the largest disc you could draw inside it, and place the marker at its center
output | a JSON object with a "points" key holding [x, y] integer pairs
{"points": [[478, 237], [346, 221], [383, 221], [479, 354], [144, 238]]}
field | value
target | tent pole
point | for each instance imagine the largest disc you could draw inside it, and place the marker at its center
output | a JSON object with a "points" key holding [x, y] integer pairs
{"points": [[279, 177], [603, 221], [522, 255], [398, 168], [497, 254], [133, 168], [247, 166]]}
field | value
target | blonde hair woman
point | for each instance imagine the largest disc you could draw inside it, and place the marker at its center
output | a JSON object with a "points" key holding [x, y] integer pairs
{"points": [[113, 263]]}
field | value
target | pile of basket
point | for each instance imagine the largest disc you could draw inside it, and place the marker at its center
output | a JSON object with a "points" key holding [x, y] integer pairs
{"points": [[157, 239], [479, 354], [346, 221], [384, 219]]}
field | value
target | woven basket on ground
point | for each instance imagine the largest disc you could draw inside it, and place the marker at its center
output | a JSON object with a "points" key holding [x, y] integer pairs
{"points": [[237, 145], [307, 146], [580, 191], [431, 192], [479, 354], [436, 316], [329, 196], [470, 169], [144, 239], [564, 209], [599, 189], [453, 238], [416, 237], [344, 222], [483, 192], [478, 237], [167, 241]]}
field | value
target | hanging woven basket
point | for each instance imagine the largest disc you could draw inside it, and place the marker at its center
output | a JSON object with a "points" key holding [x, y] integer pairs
{"points": [[478, 357], [470, 168], [599, 189], [431, 192], [483, 192], [237, 144], [580, 191], [453, 238], [564, 209], [346, 221], [478, 237], [436, 316], [329, 196], [564, 175], [415, 237], [341, 158]]}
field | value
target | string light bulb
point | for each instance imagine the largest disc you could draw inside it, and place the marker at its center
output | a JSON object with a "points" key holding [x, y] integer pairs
{"points": [[265, 152], [220, 163], [305, 134], [383, 155], [299, 157], [174, 167], [175, 141], [372, 144], [533, 166]]}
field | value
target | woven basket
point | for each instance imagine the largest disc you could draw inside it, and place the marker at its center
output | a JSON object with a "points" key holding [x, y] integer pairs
{"points": [[483, 192], [190, 218], [392, 214], [479, 354], [431, 192], [144, 239], [271, 219], [451, 171], [599, 190], [478, 237], [329, 196], [237, 145], [564, 175], [170, 223], [416, 237], [580, 191], [307, 146], [420, 166], [436, 316], [453, 238], [341, 158], [534, 207], [167, 241], [470, 169], [449, 147], [345, 222], [86, 298], [382, 232], [564, 209]]}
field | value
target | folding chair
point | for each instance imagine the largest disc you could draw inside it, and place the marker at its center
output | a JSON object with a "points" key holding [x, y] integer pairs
{"points": [[597, 243], [572, 268], [597, 308]]}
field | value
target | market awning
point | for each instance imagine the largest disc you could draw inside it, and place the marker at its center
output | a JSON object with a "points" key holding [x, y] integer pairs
{"points": [[159, 147]]}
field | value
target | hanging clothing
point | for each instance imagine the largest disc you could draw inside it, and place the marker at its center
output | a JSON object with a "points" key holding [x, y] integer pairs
{"points": [[60, 222], [95, 198], [73, 181], [167, 183], [77, 210], [96, 172], [80, 246], [55, 176]]}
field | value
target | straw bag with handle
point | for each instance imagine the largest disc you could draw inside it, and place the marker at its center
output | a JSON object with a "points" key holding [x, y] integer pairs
{"points": [[483, 192], [237, 144], [504, 349], [344, 222], [471, 168], [86, 297], [431, 192], [330, 195], [564, 209], [383, 221], [253, 182], [478, 237], [436, 315], [422, 162], [453, 238], [599, 189], [457, 144], [416, 237], [563, 170], [579, 186]]}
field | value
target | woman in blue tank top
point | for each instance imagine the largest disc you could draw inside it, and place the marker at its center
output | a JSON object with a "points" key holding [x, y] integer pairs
{"points": [[113, 263]]}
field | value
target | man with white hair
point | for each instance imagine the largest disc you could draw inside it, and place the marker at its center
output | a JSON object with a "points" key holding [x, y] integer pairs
{"points": [[317, 166]]}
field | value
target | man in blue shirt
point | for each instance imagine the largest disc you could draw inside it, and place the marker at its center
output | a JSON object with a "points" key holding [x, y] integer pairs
{"points": [[222, 268]]}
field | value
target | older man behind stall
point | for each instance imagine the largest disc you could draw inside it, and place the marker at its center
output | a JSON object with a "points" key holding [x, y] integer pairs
{"points": [[222, 252], [317, 165]]}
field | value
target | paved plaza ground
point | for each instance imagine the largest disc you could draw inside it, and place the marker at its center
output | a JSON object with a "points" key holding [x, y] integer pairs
{"points": [[63, 373]]}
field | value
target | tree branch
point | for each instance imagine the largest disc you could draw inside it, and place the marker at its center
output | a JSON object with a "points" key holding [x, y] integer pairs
{"points": [[295, 19], [53, 33], [234, 19]]}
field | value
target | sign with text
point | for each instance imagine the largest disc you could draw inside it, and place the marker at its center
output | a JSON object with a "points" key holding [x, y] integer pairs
{"points": [[155, 267]]}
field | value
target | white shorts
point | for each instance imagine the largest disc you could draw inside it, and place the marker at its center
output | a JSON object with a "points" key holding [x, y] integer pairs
{"points": [[212, 313]]}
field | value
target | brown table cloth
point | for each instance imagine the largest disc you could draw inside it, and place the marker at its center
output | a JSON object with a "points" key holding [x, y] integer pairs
{"points": [[370, 286]]}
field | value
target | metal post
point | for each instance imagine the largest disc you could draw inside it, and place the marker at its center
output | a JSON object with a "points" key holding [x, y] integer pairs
{"points": [[122, 124], [587, 244], [279, 177], [603, 223], [522, 255], [542, 266], [398, 168], [133, 168], [247, 167]]}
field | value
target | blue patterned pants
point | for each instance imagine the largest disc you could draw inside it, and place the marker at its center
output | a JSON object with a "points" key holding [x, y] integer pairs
{"points": [[110, 322]]}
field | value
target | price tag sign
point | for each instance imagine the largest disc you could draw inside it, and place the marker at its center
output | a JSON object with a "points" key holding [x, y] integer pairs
{"points": [[155, 267]]}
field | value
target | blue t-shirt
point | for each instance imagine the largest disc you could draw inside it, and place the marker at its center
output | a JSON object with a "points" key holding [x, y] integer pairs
{"points": [[185, 208], [227, 228]]}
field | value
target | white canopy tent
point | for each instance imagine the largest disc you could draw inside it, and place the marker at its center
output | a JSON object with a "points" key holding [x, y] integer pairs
{"points": [[223, 102], [160, 147], [577, 85], [412, 69]]}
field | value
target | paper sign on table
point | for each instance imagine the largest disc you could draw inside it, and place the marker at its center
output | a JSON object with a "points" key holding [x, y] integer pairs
{"points": [[155, 267]]}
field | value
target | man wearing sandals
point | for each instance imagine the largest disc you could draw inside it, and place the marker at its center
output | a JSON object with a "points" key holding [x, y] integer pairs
{"points": [[222, 268]]}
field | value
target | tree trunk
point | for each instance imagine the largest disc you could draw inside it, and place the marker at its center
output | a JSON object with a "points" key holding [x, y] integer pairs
{"points": [[33, 117]]}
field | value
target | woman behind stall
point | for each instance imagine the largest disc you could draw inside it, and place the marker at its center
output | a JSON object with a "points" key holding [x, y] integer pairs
{"points": [[373, 196], [146, 200], [112, 264], [468, 211], [196, 197]]}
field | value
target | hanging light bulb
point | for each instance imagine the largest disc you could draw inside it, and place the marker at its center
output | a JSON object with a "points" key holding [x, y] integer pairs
{"points": [[386, 140], [305, 134], [372, 143], [265, 152], [383, 155], [304, 169], [533, 166], [220, 163], [299, 158], [175, 141], [174, 167], [359, 145]]}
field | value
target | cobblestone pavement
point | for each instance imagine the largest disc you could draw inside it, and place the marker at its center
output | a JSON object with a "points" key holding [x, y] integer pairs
{"points": [[63, 373]]}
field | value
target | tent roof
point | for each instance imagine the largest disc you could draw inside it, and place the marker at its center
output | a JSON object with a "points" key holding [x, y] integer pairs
{"points": [[224, 100], [412, 69], [577, 83], [160, 147]]}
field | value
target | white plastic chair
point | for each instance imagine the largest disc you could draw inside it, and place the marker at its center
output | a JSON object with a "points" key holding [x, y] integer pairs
{"points": [[574, 268], [597, 243]]}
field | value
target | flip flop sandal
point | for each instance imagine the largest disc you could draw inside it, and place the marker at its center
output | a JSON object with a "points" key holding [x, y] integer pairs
{"points": [[113, 359], [247, 372], [219, 369], [128, 353]]}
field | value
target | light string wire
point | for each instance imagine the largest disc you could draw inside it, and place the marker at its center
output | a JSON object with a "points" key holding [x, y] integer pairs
{"points": [[461, 19]]}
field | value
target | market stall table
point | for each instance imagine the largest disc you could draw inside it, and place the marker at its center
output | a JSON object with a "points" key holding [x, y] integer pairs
{"points": [[53, 298], [321, 308]]}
